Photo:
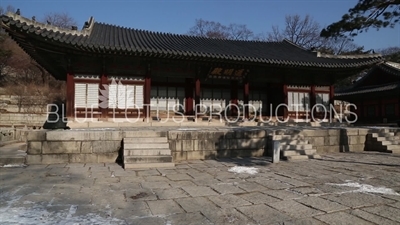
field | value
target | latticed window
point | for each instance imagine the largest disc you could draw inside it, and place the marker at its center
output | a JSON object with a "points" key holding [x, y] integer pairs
{"points": [[323, 100], [125, 96], [390, 109], [371, 110], [298, 101], [86, 95]]}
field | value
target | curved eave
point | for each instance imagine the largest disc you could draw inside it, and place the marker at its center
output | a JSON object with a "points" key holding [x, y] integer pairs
{"points": [[150, 47], [367, 90]]}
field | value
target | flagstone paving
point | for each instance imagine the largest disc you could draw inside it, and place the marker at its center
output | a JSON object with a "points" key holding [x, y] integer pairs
{"points": [[340, 188]]}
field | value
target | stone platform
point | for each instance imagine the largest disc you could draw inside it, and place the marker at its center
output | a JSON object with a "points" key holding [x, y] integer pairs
{"points": [[104, 145]]}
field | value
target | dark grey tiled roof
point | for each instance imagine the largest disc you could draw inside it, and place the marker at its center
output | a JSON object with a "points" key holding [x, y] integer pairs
{"points": [[368, 89], [357, 88], [105, 38]]}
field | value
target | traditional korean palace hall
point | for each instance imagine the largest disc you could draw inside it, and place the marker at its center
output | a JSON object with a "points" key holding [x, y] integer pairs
{"points": [[116, 72], [376, 95], [136, 68]]}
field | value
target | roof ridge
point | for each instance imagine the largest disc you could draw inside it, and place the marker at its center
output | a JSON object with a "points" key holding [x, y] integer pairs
{"points": [[294, 44], [188, 35], [356, 56], [85, 30], [353, 90], [378, 85], [393, 65]]}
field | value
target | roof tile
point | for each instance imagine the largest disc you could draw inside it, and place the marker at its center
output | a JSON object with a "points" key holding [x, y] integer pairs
{"points": [[104, 37]]}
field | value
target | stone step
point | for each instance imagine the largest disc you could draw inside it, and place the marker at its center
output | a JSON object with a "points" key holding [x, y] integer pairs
{"points": [[142, 133], [302, 157], [389, 142], [147, 159], [13, 154], [147, 152], [288, 137], [394, 151], [391, 134], [142, 146], [390, 138], [293, 142], [392, 147], [146, 140], [12, 160], [3, 143], [298, 152], [296, 147], [148, 165]]}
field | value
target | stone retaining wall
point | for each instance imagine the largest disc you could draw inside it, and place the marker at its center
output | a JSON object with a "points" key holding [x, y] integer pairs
{"points": [[87, 146], [61, 146], [29, 119], [190, 145], [12, 134], [341, 139], [337, 140]]}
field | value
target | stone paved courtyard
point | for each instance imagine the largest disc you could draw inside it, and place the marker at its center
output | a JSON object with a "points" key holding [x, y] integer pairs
{"points": [[341, 188]]}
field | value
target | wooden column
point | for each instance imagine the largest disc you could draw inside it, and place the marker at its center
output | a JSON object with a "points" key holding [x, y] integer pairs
{"points": [[270, 102], [197, 94], [70, 98], [246, 97], [147, 89], [380, 113], [103, 82], [313, 101], [286, 102], [189, 96], [234, 97], [331, 101]]}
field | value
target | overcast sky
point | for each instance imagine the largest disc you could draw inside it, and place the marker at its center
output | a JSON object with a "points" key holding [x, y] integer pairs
{"points": [[178, 16]]}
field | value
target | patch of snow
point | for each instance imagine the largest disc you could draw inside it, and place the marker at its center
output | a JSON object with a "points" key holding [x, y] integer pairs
{"points": [[366, 188], [243, 169], [14, 165], [39, 214]]}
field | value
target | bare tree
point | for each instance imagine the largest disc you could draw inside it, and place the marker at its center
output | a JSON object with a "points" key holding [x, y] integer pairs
{"points": [[9, 8], [301, 31], [239, 32], [211, 29], [63, 20], [391, 53], [306, 33], [340, 46]]}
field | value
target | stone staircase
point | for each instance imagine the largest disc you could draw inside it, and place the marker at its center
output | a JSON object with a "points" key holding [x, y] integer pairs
{"points": [[12, 154], [383, 141], [146, 149], [296, 147]]}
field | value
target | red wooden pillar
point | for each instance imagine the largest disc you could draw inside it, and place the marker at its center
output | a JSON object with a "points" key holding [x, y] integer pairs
{"points": [[313, 102], [381, 112], [70, 98], [103, 83], [246, 98], [197, 94], [286, 102], [146, 97], [234, 98], [270, 100], [331, 101], [189, 96]]}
